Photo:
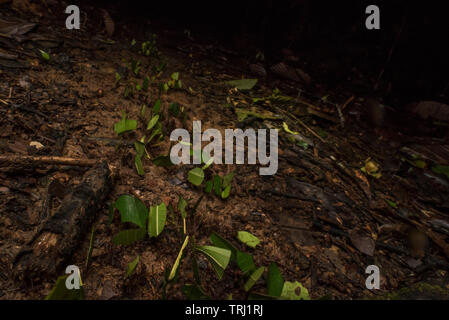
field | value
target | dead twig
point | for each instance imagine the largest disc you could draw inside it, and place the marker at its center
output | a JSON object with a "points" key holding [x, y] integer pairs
{"points": [[7, 160], [339, 110], [310, 130]]}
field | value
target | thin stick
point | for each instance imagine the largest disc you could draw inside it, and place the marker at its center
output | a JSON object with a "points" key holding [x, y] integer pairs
{"points": [[310, 130], [347, 102], [390, 53], [39, 160]]}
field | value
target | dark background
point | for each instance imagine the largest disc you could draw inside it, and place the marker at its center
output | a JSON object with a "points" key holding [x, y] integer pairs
{"points": [[328, 33]]}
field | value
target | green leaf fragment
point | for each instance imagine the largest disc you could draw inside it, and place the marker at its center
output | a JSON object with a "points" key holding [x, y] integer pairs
{"points": [[125, 125], [220, 242], [44, 55], [132, 210], [158, 216], [225, 193], [253, 278], [132, 266], [285, 126], [248, 239], [243, 84], [392, 203], [182, 205], [294, 291], [152, 122], [60, 291], [218, 257], [227, 179], [275, 281], [178, 260], [245, 261], [208, 186], [139, 165], [196, 176], [217, 185], [157, 106]]}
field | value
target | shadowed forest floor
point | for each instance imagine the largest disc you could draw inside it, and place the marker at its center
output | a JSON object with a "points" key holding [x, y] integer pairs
{"points": [[320, 218]]}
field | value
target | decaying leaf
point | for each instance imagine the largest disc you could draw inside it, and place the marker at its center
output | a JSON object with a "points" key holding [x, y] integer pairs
{"points": [[363, 243], [108, 23], [371, 168]]}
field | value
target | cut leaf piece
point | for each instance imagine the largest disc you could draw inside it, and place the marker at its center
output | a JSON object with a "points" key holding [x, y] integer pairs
{"points": [[243, 84], [60, 291], [152, 122], [225, 193], [158, 216], [178, 260], [285, 126], [248, 239], [220, 242], [371, 168], [125, 125], [275, 281], [217, 185], [139, 165], [132, 266], [140, 147], [245, 261], [129, 236], [218, 257], [182, 205], [207, 162], [253, 278], [392, 203], [196, 176], [294, 291], [157, 106], [132, 210], [208, 186], [44, 55], [227, 179]]}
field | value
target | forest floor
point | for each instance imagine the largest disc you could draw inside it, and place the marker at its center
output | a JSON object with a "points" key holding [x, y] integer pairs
{"points": [[320, 218]]}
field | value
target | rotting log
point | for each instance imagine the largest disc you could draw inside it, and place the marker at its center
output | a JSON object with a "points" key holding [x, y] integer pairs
{"points": [[51, 248]]}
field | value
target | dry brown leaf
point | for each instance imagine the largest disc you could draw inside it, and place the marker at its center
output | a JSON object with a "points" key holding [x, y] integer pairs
{"points": [[363, 243], [108, 23]]}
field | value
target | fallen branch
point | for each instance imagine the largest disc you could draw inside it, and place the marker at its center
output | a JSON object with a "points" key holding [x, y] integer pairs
{"points": [[8, 160]]}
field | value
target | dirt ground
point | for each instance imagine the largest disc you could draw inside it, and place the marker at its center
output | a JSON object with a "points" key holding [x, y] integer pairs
{"points": [[320, 218]]}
